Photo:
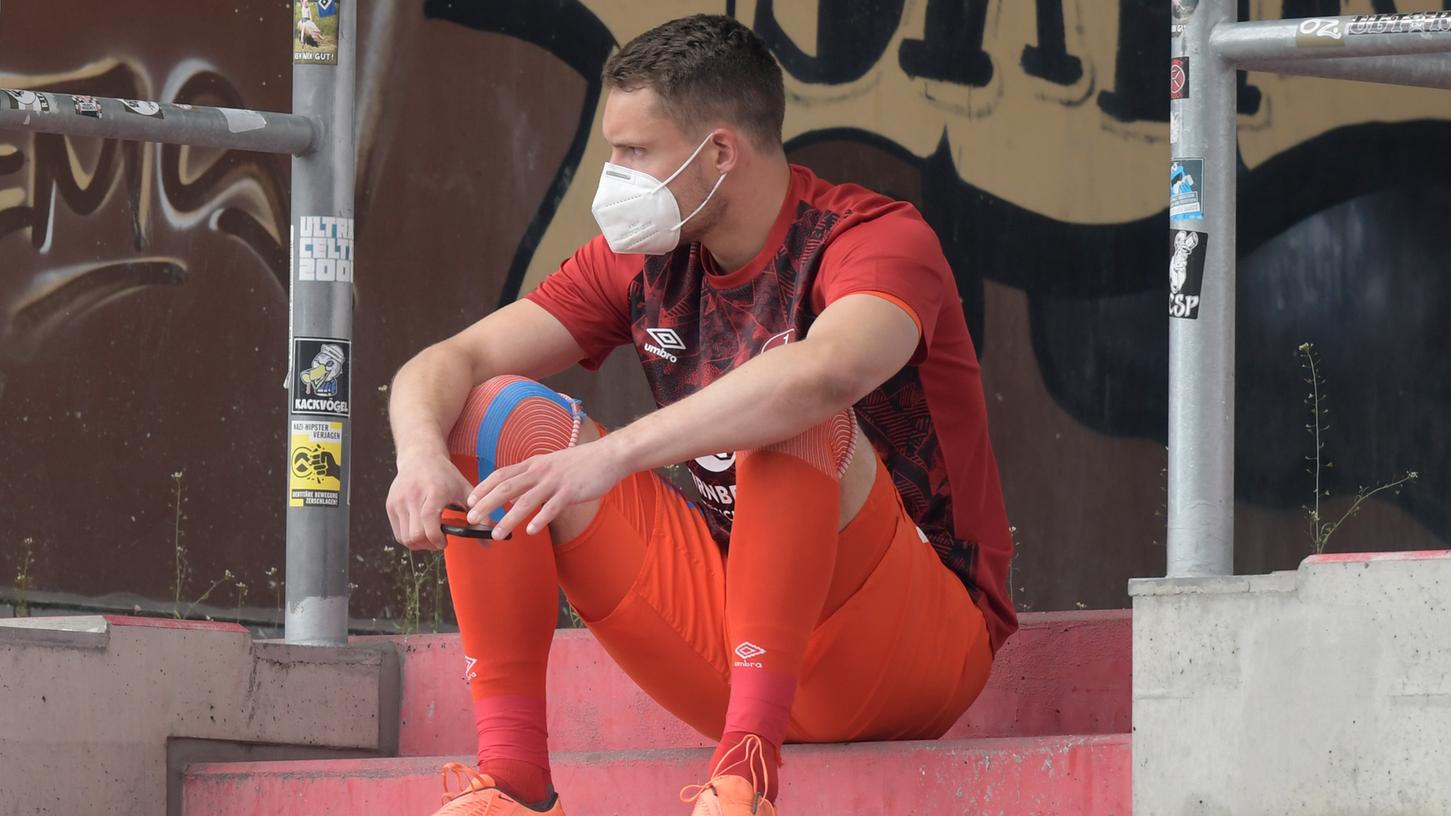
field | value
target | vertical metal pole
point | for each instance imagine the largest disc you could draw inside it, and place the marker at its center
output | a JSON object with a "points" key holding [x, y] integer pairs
{"points": [[321, 325], [1202, 290]]}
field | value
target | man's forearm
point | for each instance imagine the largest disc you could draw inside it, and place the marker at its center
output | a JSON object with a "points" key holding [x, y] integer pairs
{"points": [[773, 397], [427, 394]]}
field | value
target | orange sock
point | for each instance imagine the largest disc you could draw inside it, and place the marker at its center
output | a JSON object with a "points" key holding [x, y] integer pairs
{"points": [[778, 572], [505, 593]]}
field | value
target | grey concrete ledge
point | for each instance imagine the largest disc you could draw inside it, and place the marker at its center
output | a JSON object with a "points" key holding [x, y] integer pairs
{"points": [[1284, 581], [81, 632]]}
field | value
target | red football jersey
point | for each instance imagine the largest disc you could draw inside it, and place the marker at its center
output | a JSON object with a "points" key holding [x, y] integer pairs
{"points": [[690, 325]]}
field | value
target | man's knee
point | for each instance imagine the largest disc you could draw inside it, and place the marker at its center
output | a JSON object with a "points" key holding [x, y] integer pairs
{"points": [[832, 448], [509, 419], [828, 447]]}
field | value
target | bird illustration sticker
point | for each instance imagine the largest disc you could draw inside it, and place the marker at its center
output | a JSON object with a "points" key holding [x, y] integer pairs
{"points": [[316, 478], [1186, 186], [322, 384], [315, 31]]}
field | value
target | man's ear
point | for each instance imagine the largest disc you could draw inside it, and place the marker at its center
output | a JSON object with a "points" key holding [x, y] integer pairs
{"points": [[727, 144]]}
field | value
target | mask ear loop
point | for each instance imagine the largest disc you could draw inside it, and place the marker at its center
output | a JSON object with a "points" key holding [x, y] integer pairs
{"points": [[702, 204], [681, 169]]}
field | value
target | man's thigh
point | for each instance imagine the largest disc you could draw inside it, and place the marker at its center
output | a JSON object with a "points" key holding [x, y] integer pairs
{"points": [[663, 620], [904, 654]]}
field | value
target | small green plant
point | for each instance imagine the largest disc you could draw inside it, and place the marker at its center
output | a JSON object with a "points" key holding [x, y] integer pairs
{"points": [[1320, 528], [181, 567], [241, 590], [23, 578], [226, 576], [413, 579], [1020, 605], [575, 621], [275, 584]]}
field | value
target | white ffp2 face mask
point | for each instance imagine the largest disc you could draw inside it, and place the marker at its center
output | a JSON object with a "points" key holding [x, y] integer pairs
{"points": [[637, 213]]}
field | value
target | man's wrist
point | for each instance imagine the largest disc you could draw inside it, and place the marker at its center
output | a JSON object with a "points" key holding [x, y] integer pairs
{"points": [[621, 445], [416, 450]]}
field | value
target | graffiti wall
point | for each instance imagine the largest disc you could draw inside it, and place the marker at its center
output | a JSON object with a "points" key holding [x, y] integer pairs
{"points": [[143, 289]]}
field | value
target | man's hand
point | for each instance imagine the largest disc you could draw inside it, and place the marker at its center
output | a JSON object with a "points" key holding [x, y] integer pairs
{"points": [[425, 484], [548, 483]]}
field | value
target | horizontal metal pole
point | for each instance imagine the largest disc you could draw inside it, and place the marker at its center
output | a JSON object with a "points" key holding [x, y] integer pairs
{"points": [[1328, 38], [233, 128], [1421, 70]]}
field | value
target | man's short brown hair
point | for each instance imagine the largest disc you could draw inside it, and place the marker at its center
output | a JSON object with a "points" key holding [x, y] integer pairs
{"points": [[705, 68]]}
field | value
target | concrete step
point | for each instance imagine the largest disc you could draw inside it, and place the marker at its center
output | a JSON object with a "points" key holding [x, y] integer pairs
{"points": [[1062, 673], [1081, 775]]}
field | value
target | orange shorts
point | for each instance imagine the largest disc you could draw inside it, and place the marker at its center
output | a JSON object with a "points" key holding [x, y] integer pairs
{"points": [[899, 653]]}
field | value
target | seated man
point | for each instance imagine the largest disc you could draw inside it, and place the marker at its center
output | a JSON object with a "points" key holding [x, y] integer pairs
{"points": [[843, 576]]}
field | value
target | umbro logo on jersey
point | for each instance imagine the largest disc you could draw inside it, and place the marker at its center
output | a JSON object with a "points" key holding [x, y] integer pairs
{"points": [[666, 340]]}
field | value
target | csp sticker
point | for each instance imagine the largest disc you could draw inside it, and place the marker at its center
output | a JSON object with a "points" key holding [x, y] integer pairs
{"points": [[323, 376], [1186, 272], [317, 464], [24, 100], [315, 31], [1179, 78], [325, 249], [1186, 189]]}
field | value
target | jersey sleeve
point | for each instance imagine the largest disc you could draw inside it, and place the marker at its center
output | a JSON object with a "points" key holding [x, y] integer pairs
{"points": [[897, 257], [589, 294]]}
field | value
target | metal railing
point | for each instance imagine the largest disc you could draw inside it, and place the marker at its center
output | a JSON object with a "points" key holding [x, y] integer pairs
{"points": [[319, 134], [1208, 46]]}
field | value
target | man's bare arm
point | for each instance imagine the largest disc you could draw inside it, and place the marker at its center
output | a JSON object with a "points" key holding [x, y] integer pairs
{"points": [[855, 345]]}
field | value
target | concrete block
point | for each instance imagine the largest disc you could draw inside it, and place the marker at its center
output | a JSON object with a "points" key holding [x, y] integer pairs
{"points": [[1323, 690], [94, 710]]}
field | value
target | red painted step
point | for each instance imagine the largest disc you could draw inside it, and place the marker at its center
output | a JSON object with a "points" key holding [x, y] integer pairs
{"points": [[1082, 775], [1062, 673]]}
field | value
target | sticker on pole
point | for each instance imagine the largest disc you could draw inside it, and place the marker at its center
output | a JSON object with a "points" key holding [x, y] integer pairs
{"points": [[315, 31], [1319, 33], [24, 100], [1421, 22], [150, 110], [87, 106], [323, 376], [317, 464], [1186, 272], [324, 249], [1186, 198], [1179, 78], [1182, 11]]}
